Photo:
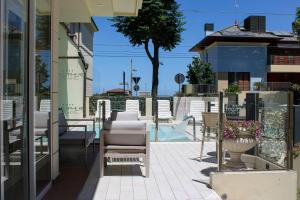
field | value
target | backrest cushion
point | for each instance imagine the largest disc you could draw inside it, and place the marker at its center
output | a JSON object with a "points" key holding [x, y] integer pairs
{"points": [[41, 119], [124, 125]]}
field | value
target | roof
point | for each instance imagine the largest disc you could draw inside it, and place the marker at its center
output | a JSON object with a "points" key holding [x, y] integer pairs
{"points": [[236, 33], [116, 90]]}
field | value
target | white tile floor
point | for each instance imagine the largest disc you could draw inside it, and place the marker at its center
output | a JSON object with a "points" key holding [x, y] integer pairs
{"points": [[175, 173]]}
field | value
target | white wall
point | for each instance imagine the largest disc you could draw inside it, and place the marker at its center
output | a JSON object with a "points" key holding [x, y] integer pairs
{"points": [[71, 77]]}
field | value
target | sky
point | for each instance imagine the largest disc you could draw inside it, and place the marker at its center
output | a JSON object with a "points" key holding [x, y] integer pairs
{"points": [[113, 52]]}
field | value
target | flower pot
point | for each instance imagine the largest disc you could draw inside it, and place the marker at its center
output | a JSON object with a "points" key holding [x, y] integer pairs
{"points": [[235, 148]]}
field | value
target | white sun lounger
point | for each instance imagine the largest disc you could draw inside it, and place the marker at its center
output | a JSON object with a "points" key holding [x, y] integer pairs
{"points": [[197, 107], [45, 105], [99, 109], [7, 113], [164, 111], [133, 106]]}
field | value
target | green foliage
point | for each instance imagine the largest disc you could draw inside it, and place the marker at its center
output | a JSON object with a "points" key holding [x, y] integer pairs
{"points": [[233, 88], [42, 78], [259, 86], [296, 23], [159, 22], [199, 72]]}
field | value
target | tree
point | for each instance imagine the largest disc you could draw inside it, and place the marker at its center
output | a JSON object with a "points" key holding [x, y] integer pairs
{"points": [[42, 78], [199, 72], [158, 25], [296, 23]]}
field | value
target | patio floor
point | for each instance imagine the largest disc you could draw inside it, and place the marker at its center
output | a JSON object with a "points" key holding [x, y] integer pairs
{"points": [[175, 173]]}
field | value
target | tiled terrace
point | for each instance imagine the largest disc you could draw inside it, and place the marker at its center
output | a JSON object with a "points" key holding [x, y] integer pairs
{"points": [[175, 173]]}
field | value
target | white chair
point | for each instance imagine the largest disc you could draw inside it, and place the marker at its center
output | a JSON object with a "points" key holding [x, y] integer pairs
{"points": [[99, 108], [45, 105], [196, 109], [164, 111], [7, 113], [133, 106]]}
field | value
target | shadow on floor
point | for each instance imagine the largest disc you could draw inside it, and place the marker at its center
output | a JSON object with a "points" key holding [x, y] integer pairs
{"points": [[123, 170], [72, 175], [208, 170]]}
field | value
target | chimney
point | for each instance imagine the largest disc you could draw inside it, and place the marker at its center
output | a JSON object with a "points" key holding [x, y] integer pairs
{"points": [[255, 23], [208, 29]]}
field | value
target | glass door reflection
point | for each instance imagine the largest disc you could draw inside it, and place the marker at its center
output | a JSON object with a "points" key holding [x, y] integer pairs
{"points": [[14, 121]]}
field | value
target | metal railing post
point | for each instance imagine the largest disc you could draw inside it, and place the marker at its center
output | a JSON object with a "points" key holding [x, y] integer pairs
{"points": [[156, 121], [103, 112], [289, 138], [194, 128], [220, 133]]}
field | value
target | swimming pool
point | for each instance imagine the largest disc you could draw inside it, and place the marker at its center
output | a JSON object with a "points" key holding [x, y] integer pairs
{"points": [[166, 133]]}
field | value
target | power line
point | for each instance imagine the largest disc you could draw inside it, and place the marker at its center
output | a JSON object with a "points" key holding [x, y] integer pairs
{"points": [[239, 12]]}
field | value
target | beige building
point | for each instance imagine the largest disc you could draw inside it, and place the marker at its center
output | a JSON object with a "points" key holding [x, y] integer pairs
{"points": [[37, 80]]}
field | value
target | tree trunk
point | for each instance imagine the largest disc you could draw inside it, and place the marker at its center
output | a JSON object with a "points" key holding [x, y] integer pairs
{"points": [[155, 65], [154, 79]]}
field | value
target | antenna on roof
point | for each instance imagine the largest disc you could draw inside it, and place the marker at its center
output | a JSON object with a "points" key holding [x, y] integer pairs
{"points": [[236, 6], [236, 3]]}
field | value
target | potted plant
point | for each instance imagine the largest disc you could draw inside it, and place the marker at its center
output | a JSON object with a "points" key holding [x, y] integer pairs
{"points": [[240, 136]]}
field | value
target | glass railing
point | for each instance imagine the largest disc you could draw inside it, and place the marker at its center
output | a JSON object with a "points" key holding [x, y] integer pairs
{"points": [[257, 132]]}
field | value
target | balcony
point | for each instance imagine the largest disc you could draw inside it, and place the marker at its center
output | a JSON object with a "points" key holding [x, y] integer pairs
{"points": [[286, 64]]}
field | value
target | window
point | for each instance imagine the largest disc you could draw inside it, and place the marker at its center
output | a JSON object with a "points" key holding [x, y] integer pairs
{"points": [[241, 78]]}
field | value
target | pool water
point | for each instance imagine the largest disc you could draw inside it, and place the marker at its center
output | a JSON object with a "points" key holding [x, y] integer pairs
{"points": [[166, 133]]}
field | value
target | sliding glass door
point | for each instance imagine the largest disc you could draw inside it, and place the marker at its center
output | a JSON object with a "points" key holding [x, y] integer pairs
{"points": [[42, 94], [14, 100]]}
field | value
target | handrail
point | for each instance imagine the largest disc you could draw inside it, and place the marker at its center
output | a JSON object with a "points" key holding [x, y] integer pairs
{"points": [[194, 124]]}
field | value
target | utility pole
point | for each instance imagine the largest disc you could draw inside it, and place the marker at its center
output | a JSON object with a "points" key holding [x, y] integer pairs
{"points": [[131, 76]]}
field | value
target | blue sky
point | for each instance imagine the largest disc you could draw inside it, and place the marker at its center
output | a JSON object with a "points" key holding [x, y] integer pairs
{"points": [[113, 52]]}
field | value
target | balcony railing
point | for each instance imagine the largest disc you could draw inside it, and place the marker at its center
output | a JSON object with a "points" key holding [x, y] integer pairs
{"points": [[284, 60]]}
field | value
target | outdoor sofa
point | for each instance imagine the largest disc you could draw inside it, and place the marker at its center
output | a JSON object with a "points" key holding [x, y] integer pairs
{"points": [[124, 136]]}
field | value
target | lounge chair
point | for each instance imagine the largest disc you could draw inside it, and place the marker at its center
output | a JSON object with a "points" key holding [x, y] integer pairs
{"points": [[123, 136], [210, 122], [133, 106], [7, 113], [99, 108], [45, 105], [74, 137], [196, 109], [163, 109]]}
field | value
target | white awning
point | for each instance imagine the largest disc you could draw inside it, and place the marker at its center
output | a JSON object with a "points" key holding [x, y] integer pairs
{"points": [[83, 10]]}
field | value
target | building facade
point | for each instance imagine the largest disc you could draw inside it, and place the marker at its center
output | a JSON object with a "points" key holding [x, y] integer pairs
{"points": [[250, 54], [30, 90], [76, 67]]}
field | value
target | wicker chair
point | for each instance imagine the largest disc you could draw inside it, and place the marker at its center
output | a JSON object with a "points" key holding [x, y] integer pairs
{"points": [[210, 122]]}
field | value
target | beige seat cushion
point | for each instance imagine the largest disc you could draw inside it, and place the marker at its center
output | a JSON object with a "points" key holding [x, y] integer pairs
{"points": [[40, 131]]}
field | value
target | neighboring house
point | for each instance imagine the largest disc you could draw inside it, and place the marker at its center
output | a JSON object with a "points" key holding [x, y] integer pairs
{"points": [[117, 92], [76, 67], [251, 54]]}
